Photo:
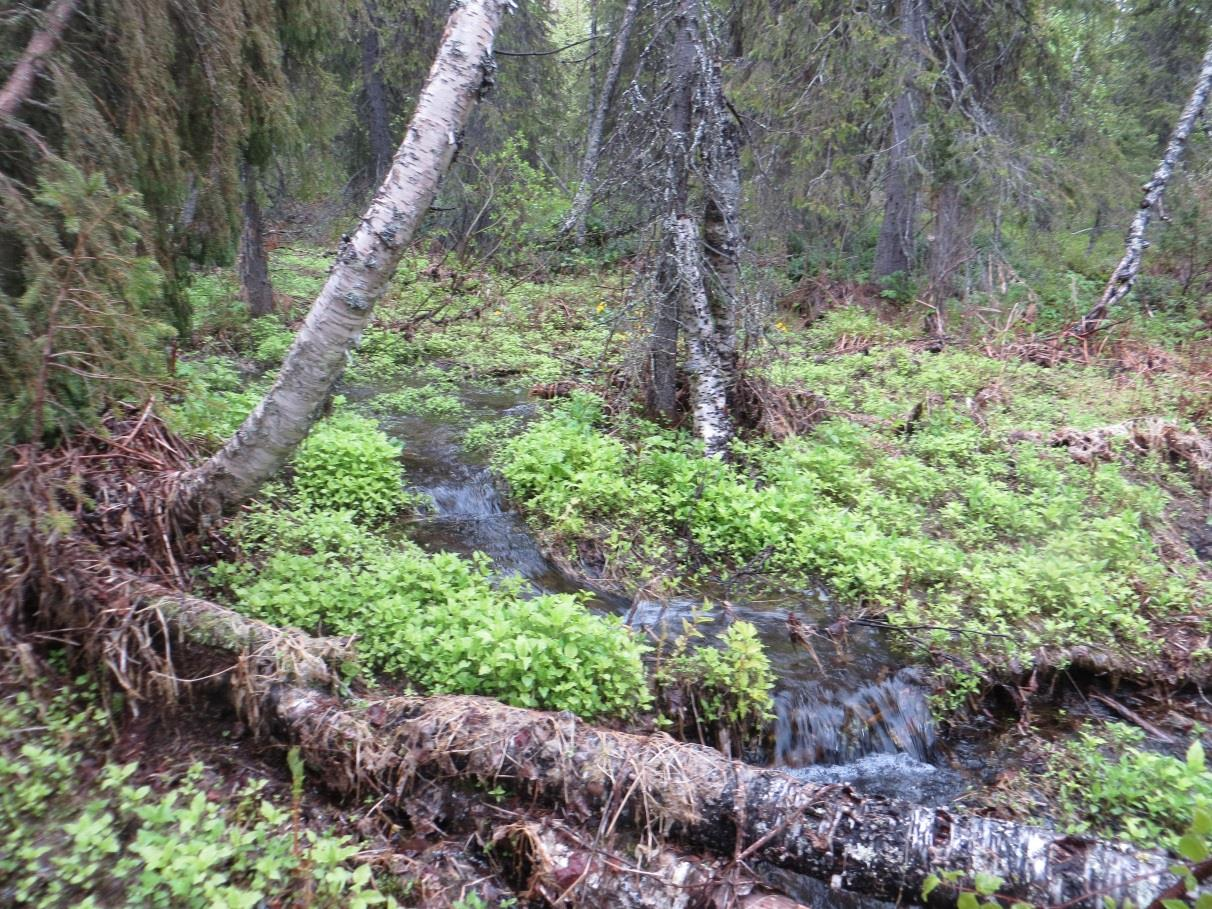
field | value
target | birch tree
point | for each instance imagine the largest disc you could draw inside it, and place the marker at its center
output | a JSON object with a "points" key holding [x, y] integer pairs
{"points": [[1124, 276], [575, 223], [461, 73]]}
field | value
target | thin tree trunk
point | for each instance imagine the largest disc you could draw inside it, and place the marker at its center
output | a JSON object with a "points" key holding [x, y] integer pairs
{"points": [[707, 362], [575, 224], [253, 264], [948, 251], [1125, 273], [359, 276], [663, 346], [894, 249], [722, 234], [42, 42], [378, 114]]}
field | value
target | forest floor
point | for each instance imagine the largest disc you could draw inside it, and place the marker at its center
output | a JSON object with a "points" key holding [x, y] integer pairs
{"points": [[1030, 527]]}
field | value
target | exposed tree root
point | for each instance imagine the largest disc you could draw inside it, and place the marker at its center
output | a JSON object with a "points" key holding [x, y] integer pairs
{"points": [[1148, 435]]}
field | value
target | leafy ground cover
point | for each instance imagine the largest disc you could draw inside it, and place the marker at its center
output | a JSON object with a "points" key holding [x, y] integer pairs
{"points": [[82, 826], [920, 495]]}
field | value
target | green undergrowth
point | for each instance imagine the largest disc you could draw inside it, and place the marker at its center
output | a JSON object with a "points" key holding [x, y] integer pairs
{"points": [[1001, 545], [1107, 784], [439, 620], [78, 828]]}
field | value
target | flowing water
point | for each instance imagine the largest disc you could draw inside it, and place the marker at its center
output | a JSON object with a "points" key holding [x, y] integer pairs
{"points": [[844, 712]]}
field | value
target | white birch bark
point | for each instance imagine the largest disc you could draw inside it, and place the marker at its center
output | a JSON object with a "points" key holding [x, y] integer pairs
{"points": [[42, 42], [360, 274], [1125, 273], [705, 360], [575, 224]]}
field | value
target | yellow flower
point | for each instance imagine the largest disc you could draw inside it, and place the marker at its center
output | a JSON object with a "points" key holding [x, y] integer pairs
{"points": [[601, 307], [781, 326]]}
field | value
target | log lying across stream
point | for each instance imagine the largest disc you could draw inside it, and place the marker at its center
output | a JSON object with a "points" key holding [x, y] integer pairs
{"points": [[684, 794]]}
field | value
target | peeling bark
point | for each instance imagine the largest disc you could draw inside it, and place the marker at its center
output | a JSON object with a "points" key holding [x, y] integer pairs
{"points": [[565, 867], [693, 795], [575, 224], [359, 276], [42, 43], [1125, 273], [707, 362], [687, 794]]}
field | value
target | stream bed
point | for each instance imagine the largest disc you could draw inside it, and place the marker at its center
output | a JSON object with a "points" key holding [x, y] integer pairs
{"points": [[844, 712]]}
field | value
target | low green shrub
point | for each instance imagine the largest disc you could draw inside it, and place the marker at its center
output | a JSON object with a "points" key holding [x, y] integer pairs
{"points": [[437, 619], [1006, 540], [717, 693], [213, 401], [270, 340], [75, 835], [348, 463], [1107, 784]]}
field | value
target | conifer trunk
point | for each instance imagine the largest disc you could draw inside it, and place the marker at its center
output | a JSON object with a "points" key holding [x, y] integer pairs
{"points": [[252, 262], [894, 249], [1125, 273], [597, 127], [359, 276], [42, 42], [378, 114]]}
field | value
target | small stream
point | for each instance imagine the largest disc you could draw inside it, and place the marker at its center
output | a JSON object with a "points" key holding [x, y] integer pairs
{"points": [[845, 712]]}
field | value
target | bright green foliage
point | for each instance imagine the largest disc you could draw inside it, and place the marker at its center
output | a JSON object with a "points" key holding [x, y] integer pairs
{"points": [[955, 523], [213, 401], [72, 836], [80, 329], [270, 340], [1107, 784], [727, 686], [348, 463], [437, 619], [437, 398]]}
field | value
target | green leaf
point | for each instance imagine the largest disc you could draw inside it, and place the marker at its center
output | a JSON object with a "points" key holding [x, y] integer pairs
{"points": [[967, 900], [986, 883], [1193, 848], [1195, 756], [1201, 823], [1175, 904], [929, 884]]}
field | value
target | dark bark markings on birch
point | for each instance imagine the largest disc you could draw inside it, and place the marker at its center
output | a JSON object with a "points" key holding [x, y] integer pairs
{"points": [[359, 276], [1124, 276]]}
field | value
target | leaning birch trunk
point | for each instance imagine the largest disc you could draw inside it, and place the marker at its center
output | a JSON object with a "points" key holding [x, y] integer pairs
{"points": [[885, 848], [706, 361], [42, 42], [575, 224], [1125, 273], [359, 276]]}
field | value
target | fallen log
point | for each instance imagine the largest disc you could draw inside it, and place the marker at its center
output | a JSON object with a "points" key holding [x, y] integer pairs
{"points": [[1146, 435], [679, 793], [563, 867], [885, 848]]}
